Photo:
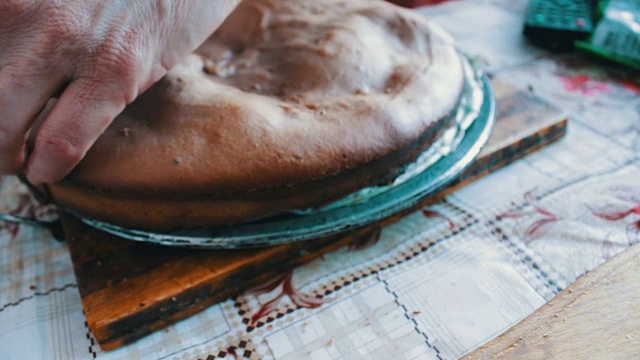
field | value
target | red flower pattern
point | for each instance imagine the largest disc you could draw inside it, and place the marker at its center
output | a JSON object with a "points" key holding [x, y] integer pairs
{"points": [[269, 286], [615, 214], [27, 207], [539, 227], [630, 206], [631, 85], [432, 214], [298, 298], [365, 240], [585, 84], [231, 350], [12, 228]]}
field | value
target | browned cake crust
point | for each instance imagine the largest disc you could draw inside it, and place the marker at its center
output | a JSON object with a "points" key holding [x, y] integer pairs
{"points": [[290, 104]]}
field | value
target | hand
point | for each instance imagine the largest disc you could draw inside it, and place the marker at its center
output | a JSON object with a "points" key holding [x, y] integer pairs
{"points": [[97, 56]]}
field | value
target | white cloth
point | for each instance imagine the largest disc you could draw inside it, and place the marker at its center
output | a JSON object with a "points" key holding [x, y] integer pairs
{"points": [[433, 286]]}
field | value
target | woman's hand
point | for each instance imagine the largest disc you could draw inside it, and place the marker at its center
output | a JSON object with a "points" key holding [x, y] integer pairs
{"points": [[96, 56]]}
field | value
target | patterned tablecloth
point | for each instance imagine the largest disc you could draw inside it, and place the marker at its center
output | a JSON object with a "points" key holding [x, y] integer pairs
{"points": [[435, 285]]}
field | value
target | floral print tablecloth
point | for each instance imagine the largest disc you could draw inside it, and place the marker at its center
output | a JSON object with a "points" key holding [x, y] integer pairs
{"points": [[437, 284]]}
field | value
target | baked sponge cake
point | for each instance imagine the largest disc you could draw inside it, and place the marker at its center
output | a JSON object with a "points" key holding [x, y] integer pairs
{"points": [[290, 104]]}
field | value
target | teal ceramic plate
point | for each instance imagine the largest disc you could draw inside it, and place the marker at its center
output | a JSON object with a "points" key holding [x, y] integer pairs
{"points": [[453, 153]]}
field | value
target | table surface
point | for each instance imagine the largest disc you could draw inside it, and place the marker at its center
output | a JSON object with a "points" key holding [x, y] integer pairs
{"points": [[573, 325], [497, 250]]}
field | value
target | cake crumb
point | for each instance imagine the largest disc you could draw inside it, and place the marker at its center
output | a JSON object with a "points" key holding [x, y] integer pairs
{"points": [[296, 99], [416, 312], [330, 342], [32, 287], [288, 108]]}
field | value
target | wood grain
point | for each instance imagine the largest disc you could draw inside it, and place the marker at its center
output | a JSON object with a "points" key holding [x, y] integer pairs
{"points": [[131, 289], [598, 317]]}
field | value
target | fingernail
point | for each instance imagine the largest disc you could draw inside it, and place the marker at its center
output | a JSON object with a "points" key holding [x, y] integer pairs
{"points": [[33, 177], [38, 169]]}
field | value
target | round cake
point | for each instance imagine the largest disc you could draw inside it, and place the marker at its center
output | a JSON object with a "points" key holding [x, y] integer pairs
{"points": [[289, 105]]}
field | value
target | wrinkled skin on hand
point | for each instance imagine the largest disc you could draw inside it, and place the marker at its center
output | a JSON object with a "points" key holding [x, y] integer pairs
{"points": [[95, 56]]}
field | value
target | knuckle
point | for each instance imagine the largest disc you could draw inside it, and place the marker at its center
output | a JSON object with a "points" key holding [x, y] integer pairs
{"points": [[120, 64], [90, 92], [66, 28], [61, 147], [121, 53]]}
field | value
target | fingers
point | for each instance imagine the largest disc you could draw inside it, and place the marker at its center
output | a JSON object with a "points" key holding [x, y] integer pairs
{"points": [[22, 97], [78, 118]]}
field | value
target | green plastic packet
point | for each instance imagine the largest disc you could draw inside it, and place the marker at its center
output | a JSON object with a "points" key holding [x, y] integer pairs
{"points": [[617, 34]]}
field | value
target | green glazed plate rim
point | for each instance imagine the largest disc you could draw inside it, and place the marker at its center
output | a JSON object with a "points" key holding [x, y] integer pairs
{"points": [[322, 223]]}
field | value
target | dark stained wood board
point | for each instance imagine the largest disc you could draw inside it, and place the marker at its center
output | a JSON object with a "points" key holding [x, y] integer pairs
{"points": [[132, 289]]}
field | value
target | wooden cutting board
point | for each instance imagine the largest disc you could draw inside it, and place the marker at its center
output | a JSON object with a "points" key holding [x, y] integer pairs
{"points": [[124, 287]]}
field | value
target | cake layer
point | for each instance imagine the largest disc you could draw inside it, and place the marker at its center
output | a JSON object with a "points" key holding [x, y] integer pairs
{"points": [[173, 213], [288, 105]]}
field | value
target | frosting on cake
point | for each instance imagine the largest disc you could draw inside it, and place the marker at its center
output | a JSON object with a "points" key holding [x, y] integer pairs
{"points": [[289, 104]]}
